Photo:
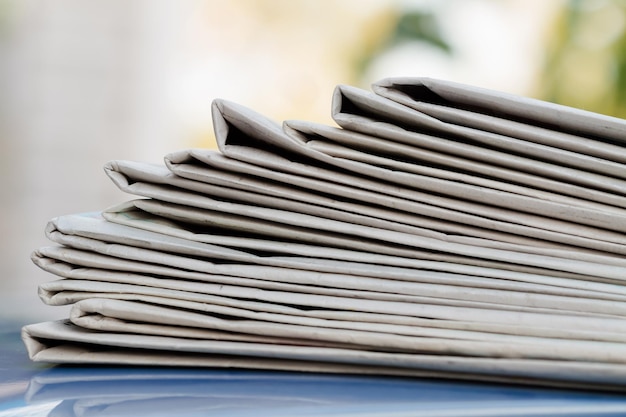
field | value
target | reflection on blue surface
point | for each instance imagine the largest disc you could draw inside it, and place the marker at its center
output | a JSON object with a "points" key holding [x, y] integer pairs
{"points": [[27, 389], [15, 369], [189, 392]]}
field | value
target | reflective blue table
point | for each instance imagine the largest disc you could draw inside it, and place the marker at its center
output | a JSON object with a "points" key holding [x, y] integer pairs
{"points": [[27, 389]]}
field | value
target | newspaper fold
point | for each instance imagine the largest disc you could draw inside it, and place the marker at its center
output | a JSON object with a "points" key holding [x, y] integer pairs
{"points": [[507, 107], [546, 370]]}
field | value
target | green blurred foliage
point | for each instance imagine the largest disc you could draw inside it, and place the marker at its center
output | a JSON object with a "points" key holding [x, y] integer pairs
{"points": [[406, 27], [420, 26], [585, 61], [6, 7]]}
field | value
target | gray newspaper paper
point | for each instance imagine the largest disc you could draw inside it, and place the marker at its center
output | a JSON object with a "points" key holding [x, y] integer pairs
{"points": [[440, 231]]}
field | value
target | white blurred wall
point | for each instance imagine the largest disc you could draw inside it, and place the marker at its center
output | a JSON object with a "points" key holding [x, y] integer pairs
{"points": [[80, 86]]}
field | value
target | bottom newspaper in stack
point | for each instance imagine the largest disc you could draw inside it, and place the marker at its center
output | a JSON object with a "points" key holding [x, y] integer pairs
{"points": [[287, 255]]}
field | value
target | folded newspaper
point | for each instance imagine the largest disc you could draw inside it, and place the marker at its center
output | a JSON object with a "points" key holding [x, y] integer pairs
{"points": [[441, 230]]}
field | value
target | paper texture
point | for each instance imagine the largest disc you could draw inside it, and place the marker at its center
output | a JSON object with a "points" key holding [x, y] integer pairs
{"points": [[440, 231]]}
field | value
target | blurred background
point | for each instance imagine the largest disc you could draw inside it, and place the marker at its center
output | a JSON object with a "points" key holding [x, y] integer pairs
{"points": [[84, 82]]}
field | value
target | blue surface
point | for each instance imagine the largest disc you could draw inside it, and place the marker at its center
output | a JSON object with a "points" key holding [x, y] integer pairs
{"points": [[30, 390]]}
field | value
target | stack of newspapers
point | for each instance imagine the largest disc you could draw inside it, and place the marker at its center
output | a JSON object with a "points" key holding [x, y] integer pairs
{"points": [[441, 230]]}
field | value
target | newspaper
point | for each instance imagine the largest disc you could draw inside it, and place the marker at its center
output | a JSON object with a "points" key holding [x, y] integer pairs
{"points": [[191, 163], [566, 166], [555, 118], [428, 235], [235, 117], [501, 205], [546, 370], [141, 179]]}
